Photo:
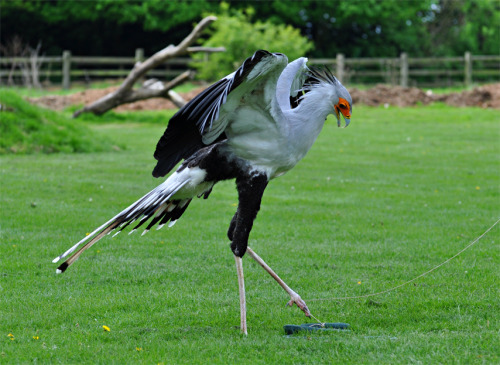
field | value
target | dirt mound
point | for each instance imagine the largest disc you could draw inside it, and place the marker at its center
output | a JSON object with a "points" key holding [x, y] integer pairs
{"points": [[59, 102], [390, 95], [486, 96]]}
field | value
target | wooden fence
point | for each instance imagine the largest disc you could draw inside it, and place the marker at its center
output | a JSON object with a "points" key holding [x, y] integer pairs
{"points": [[416, 71], [87, 68], [403, 70]]}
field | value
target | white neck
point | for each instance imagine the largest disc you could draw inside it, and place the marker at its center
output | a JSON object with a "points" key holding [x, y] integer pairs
{"points": [[286, 80], [308, 118]]}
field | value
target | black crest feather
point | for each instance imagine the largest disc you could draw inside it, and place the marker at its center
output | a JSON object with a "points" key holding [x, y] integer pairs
{"points": [[314, 76], [320, 74]]}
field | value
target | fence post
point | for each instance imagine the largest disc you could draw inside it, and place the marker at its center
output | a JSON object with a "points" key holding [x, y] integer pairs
{"points": [[66, 69], [467, 69], [393, 69], [403, 59], [340, 67], [139, 55]]}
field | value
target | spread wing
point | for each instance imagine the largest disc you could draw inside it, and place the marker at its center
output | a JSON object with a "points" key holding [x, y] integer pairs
{"points": [[203, 120]]}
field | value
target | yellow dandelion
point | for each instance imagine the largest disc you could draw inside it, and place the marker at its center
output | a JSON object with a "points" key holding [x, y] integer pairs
{"points": [[478, 188], [106, 328], [138, 348], [36, 337], [359, 282], [10, 335]]}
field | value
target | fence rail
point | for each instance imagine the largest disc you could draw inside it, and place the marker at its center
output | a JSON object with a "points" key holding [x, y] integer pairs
{"points": [[403, 70], [417, 71]]}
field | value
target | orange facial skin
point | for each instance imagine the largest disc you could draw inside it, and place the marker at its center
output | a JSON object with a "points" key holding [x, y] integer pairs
{"points": [[344, 108]]}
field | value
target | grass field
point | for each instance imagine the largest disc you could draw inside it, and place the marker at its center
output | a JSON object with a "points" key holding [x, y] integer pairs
{"points": [[369, 208]]}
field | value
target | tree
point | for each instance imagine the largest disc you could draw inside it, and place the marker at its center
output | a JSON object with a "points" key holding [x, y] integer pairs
{"points": [[241, 38], [126, 94], [99, 27], [481, 31], [367, 28], [470, 25], [358, 28]]}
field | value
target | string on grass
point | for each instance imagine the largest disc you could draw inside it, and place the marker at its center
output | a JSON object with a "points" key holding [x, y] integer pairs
{"points": [[322, 324], [416, 278]]}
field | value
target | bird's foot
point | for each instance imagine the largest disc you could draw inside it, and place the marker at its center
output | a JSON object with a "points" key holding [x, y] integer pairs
{"points": [[295, 298]]}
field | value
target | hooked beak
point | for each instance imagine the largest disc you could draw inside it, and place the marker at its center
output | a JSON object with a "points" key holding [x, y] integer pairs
{"points": [[346, 115], [347, 121]]}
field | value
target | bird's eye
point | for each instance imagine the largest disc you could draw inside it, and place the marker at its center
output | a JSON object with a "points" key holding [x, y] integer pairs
{"points": [[343, 106]]}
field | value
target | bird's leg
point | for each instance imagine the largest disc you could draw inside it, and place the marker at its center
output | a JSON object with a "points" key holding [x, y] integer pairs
{"points": [[232, 226], [241, 285], [295, 298], [250, 189]]}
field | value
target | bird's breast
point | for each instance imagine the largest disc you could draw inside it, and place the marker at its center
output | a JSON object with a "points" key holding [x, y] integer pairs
{"points": [[262, 145]]}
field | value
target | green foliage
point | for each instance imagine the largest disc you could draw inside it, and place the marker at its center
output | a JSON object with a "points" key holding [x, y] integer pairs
{"points": [[480, 31], [370, 207], [235, 31], [26, 128], [152, 14], [374, 28], [99, 27], [367, 28]]}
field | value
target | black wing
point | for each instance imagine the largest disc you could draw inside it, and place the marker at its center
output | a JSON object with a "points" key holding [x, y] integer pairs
{"points": [[186, 128]]}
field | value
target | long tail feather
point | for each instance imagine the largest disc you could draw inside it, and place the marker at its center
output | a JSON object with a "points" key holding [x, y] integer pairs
{"points": [[157, 203], [75, 257]]}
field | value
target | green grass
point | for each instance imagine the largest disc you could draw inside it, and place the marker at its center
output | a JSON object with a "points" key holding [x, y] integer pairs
{"points": [[26, 128], [56, 89], [369, 208], [144, 117]]}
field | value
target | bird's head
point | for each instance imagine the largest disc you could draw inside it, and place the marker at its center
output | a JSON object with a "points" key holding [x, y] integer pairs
{"points": [[343, 106], [333, 90]]}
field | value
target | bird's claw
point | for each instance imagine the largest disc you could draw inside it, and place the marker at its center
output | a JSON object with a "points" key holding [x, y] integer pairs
{"points": [[300, 303]]}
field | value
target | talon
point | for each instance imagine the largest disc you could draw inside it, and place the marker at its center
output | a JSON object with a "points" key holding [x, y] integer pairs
{"points": [[300, 303]]}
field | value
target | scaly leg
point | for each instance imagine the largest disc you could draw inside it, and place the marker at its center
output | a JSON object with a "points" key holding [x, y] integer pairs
{"points": [[241, 285], [295, 298]]}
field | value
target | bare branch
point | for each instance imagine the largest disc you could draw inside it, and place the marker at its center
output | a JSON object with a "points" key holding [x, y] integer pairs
{"points": [[125, 93], [206, 49], [112, 100], [35, 64], [176, 99]]}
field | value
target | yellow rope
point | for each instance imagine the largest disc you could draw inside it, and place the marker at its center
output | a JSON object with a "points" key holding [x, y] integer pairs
{"points": [[418, 277]]}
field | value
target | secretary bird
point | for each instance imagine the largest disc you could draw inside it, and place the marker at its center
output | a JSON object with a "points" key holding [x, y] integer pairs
{"points": [[253, 126]]}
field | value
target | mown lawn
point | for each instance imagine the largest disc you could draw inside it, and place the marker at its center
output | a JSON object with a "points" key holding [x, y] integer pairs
{"points": [[369, 208]]}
